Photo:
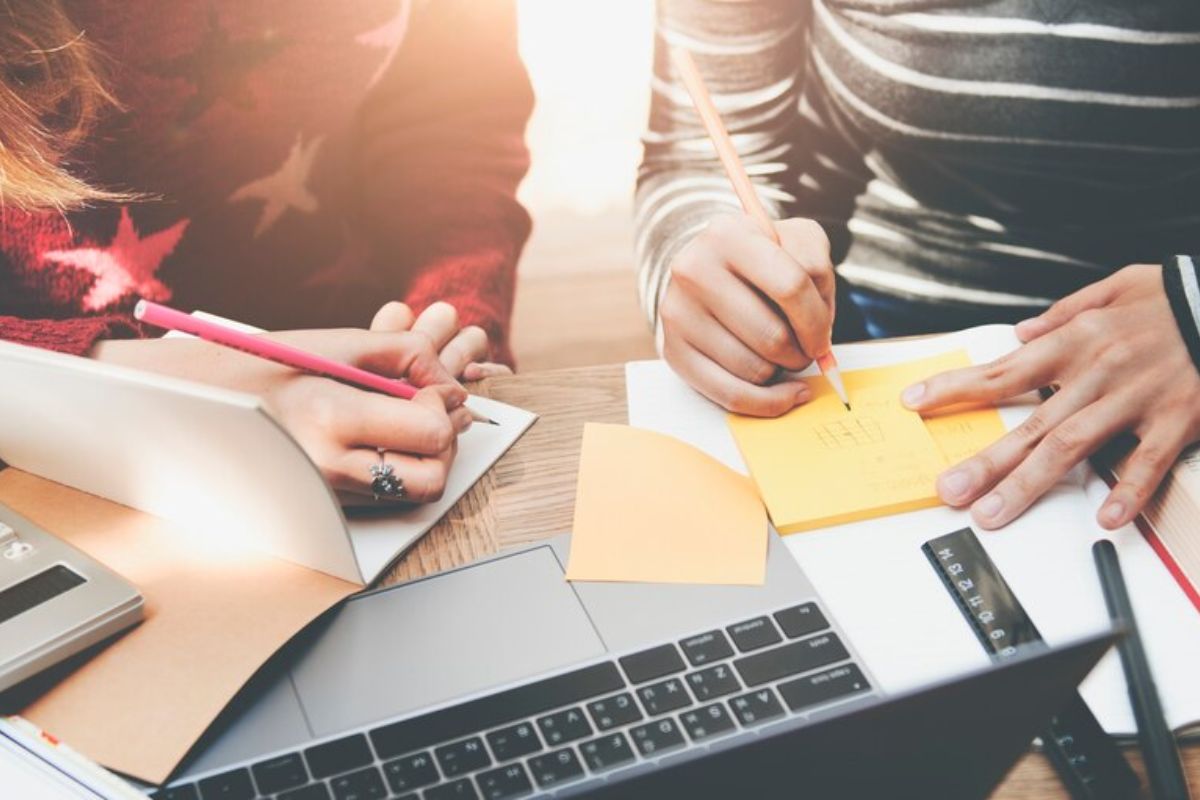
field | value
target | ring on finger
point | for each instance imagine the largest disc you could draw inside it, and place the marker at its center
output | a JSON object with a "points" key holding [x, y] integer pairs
{"points": [[385, 483]]}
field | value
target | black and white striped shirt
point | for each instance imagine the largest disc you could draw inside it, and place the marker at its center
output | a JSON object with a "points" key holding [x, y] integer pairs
{"points": [[971, 160]]}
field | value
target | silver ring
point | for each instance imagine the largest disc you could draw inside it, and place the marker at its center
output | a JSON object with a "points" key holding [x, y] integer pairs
{"points": [[385, 482]]}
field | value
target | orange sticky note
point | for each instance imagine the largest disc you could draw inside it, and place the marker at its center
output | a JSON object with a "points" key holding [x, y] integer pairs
{"points": [[650, 508], [821, 465]]}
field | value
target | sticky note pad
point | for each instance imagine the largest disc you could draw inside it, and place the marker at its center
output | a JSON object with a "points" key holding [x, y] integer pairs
{"points": [[651, 508], [821, 465]]}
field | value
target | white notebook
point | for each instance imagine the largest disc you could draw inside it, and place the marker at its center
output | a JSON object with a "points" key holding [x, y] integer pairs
{"points": [[212, 460], [883, 591]]}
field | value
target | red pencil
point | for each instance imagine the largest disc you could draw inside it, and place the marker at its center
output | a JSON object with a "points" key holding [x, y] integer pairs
{"points": [[161, 316]]}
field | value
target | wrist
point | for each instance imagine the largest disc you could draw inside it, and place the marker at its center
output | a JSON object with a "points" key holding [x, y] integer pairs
{"points": [[1183, 293]]}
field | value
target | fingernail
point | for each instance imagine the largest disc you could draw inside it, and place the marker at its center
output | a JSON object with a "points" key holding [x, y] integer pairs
{"points": [[955, 483], [1027, 327], [803, 395], [913, 394], [1113, 513], [990, 506]]}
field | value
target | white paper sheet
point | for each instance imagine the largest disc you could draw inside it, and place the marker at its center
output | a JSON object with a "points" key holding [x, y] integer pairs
{"points": [[877, 582]]}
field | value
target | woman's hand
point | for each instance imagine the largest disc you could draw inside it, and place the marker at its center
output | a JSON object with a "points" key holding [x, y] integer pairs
{"points": [[342, 428], [461, 350], [1120, 364], [740, 308]]}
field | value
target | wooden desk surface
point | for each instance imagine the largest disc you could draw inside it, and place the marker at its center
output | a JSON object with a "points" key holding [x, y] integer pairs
{"points": [[530, 495]]}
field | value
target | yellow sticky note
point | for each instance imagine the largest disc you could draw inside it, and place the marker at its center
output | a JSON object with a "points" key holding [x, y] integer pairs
{"points": [[822, 465], [650, 508]]}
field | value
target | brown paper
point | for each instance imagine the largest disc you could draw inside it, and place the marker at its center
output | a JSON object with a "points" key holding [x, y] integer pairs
{"points": [[214, 615]]}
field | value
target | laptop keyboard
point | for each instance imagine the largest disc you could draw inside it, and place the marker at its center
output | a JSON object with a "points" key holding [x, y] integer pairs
{"points": [[545, 735]]}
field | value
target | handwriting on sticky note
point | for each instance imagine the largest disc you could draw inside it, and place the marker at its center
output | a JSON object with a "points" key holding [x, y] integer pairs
{"points": [[651, 508], [822, 464]]}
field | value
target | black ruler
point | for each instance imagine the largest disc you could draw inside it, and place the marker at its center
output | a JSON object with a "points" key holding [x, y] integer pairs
{"points": [[1086, 758]]}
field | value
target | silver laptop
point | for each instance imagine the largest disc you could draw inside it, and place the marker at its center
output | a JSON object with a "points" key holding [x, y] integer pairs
{"points": [[501, 679]]}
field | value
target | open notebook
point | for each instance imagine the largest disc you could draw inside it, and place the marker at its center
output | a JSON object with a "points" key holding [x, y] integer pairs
{"points": [[883, 591]]}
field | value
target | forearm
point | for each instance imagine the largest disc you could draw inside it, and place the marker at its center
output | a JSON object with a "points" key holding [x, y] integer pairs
{"points": [[750, 55]]}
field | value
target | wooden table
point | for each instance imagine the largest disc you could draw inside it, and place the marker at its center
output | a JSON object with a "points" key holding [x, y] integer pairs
{"points": [[530, 495]]}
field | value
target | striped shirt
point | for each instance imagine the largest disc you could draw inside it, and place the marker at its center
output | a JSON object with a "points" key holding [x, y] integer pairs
{"points": [[971, 160]]}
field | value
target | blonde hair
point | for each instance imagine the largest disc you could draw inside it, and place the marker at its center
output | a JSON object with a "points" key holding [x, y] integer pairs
{"points": [[51, 93]]}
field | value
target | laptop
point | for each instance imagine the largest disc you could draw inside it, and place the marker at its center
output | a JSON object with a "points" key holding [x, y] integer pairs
{"points": [[502, 680]]}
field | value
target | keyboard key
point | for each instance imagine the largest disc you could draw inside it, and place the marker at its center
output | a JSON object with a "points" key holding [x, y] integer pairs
{"points": [[754, 634], [823, 686], [505, 782], [653, 663], [613, 711], [315, 791], [410, 772], [341, 755], [714, 682], [461, 757], [792, 658], [461, 789], [606, 752], [565, 726], [365, 784], [186, 792], [703, 723], [502, 708], [514, 742], [233, 785], [756, 707], [656, 737], [706, 648], [802, 620], [279, 773], [659, 698], [555, 768]]}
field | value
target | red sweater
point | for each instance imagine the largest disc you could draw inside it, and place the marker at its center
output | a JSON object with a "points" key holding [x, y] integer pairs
{"points": [[308, 161]]}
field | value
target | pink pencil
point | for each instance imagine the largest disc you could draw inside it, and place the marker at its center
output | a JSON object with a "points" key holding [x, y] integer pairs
{"points": [[161, 316]]}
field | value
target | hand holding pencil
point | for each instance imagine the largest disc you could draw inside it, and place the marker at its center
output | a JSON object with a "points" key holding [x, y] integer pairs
{"points": [[748, 297]]}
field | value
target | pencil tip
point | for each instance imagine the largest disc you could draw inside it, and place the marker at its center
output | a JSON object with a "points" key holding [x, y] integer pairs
{"points": [[847, 405], [493, 422]]}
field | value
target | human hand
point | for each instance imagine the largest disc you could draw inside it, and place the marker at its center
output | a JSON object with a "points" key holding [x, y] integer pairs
{"points": [[461, 350], [739, 308], [342, 428], [1115, 353]]}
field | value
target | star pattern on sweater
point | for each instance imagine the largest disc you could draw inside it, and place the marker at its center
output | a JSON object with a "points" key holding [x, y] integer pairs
{"points": [[219, 67], [388, 36], [285, 188], [128, 265]]}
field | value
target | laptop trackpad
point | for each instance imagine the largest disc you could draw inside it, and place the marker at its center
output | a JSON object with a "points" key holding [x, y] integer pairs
{"points": [[434, 640]]}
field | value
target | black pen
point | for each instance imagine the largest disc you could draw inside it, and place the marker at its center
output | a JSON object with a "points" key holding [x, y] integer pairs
{"points": [[1156, 740]]}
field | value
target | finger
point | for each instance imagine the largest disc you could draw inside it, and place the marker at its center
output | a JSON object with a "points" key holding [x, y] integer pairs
{"points": [[485, 369], [805, 241], [1061, 449], [788, 285], [404, 355], [439, 322], [1140, 477], [1093, 295], [377, 421], [731, 392], [440, 399], [423, 479], [394, 316], [711, 338], [966, 481], [708, 288], [469, 344], [1030, 367]]}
